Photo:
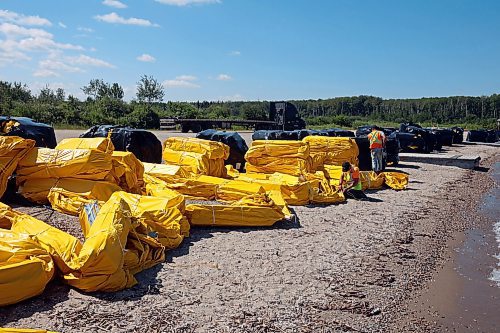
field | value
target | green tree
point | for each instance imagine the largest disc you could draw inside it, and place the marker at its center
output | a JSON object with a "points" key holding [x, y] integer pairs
{"points": [[93, 89], [116, 91], [98, 89], [149, 90], [47, 95], [60, 95]]}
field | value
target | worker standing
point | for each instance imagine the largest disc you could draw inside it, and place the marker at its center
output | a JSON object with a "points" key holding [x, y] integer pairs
{"points": [[377, 146], [350, 182]]}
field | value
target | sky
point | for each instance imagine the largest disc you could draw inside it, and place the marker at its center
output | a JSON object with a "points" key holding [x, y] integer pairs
{"points": [[255, 49]]}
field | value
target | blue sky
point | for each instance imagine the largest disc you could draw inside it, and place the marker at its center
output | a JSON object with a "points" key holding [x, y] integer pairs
{"points": [[256, 49]]}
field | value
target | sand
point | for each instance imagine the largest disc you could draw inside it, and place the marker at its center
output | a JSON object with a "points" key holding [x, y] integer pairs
{"points": [[354, 267]]}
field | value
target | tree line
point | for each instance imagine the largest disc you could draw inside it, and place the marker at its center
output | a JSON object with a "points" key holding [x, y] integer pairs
{"points": [[104, 104]]}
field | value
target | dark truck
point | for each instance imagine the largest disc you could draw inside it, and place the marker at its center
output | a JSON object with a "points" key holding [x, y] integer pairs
{"points": [[282, 116]]}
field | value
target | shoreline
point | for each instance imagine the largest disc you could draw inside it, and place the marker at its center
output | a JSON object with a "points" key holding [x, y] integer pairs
{"points": [[457, 295]]}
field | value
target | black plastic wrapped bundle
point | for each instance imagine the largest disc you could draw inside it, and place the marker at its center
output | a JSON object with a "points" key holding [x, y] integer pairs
{"points": [[338, 132], [279, 135], [26, 128], [430, 140], [482, 136], [143, 144], [236, 143], [458, 134], [364, 157]]}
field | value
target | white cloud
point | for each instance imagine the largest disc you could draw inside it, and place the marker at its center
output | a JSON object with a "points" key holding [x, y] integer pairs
{"points": [[10, 53], [12, 30], [47, 44], [183, 81], [57, 63], [54, 65], [86, 60], [84, 29], [115, 18], [44, 73], [224, 77], [13, 17], [146, 58], [187, 2], [235, 53], [62, 25], [114, 3], [29, 39]]}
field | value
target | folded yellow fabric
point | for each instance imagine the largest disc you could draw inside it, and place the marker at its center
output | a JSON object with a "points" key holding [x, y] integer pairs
{"points": [[289, 157], [254, 210], [101, 144], [165, 171], [25, 267], [161, 217], [12, 150], [202, 157], [371, 181], [116, 247], [332, 150], [68, 163], [211, 149], [396, 180], [67, 195], [127, 171]]}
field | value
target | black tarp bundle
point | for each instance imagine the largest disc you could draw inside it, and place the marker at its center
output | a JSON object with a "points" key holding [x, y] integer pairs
{"points": [[300, 134], [26, 128], [338, 132], [237, 145], [482, 136], [364, 157], [280, 135], [423, 141], [362, 131], [143, 144], [444, 136], [411, 143], [392, 148], [458, 134]]}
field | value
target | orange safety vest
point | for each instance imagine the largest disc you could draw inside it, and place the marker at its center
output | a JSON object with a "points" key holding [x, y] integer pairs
{"points": [[376, 139], [349, 176]]}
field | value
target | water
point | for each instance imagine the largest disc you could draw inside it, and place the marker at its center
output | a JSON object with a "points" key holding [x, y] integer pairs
{"points": [[492, 208]]}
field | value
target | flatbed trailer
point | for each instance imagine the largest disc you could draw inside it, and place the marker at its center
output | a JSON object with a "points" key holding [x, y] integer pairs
{"points": [[281, 116], [198, 125]]}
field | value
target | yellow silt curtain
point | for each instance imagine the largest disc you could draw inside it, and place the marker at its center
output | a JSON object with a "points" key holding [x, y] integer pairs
{"points": [[67, 163], [286, 156], [25, 267], [254, 210], [198, 156], [332, 150], [101, 144], [12, 150], [115, 248]]}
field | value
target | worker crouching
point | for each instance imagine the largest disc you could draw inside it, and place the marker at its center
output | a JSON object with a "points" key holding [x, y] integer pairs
{"points": [[350, 182]]}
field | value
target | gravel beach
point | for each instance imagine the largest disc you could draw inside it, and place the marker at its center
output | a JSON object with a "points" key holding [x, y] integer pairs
{"points": [[351, 267]]}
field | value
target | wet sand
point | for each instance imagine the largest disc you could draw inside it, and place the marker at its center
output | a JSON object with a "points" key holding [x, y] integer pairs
{"points": [[460, 296]]}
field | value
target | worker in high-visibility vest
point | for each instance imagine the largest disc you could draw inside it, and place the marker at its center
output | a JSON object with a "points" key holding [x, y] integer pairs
{"points": [[377, 146], [350, 182]]}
